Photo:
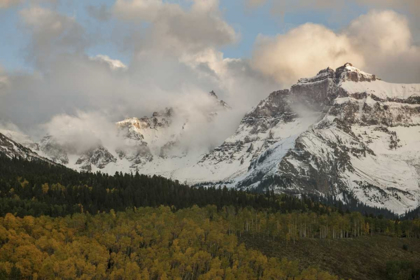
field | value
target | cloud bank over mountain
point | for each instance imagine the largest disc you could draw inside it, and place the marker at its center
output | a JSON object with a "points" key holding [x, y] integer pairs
{"points": [[380, 42], [175, 55]]}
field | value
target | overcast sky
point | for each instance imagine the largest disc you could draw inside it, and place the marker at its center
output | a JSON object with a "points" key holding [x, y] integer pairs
{"points": [[64, 60]]}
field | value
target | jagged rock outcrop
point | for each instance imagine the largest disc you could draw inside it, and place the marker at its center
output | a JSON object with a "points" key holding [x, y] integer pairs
{"points": [[12, 149], [344, 133], [98, 157], [151, 145]]}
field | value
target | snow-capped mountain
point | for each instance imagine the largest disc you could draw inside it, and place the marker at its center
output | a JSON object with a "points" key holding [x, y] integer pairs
{"points": [[12, 149], [342, 133], [53, 150], [151, 145]]}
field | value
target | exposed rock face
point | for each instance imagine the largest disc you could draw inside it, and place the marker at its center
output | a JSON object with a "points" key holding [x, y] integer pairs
{"points": [[150, 145], [53, 150], [254, 133], [145, 134], [316, 92], [342, 133], [275, 108], [274, 122], [11, 149], [362, 147], [98, 157], [349, 73]]}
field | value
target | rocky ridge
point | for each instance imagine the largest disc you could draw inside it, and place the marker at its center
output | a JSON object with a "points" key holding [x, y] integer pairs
{"points": [[12, 149], [343, 133], [146, 144]]}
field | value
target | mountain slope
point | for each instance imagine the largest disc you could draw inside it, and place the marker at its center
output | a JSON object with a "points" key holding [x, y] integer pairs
{"points": [[343, 133], [272, 123], [366, 146], [153, 144], [11, 149]]}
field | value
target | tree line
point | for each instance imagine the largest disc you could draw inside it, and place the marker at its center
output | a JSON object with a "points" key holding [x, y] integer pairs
{"points": [[34, 188], [38, 188], [56, 223]]}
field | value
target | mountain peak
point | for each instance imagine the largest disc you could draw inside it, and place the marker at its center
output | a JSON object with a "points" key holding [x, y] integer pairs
{"points": [[12, 149], [324, 74], [348, 72]]}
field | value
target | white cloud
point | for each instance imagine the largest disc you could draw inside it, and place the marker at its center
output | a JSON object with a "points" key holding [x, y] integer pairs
{"points": [[113, 63], [242, 86], [176, 63], [52, 33], [379, 42], [385, 41], [386, 32], [76, 83], [174, 28], [13, 132], [341, 11], [82, 131], [302, 52]]}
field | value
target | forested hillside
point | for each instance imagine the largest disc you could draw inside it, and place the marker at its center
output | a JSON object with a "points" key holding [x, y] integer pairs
{"points": [[35, 188], [60, 224], [38, 188]]}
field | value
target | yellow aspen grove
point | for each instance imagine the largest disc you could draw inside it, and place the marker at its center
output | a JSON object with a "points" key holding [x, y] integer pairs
{"points": [[142, 244]]}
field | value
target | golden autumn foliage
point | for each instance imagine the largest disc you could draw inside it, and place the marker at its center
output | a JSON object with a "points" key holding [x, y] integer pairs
{"points": [[146, 243]]}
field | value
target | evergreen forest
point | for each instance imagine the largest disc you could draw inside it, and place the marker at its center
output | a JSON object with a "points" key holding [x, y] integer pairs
{"points": [[57, 223]]}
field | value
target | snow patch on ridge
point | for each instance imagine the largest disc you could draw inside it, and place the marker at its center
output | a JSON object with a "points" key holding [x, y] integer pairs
{"points": [[342, 132], [383, 90]]}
